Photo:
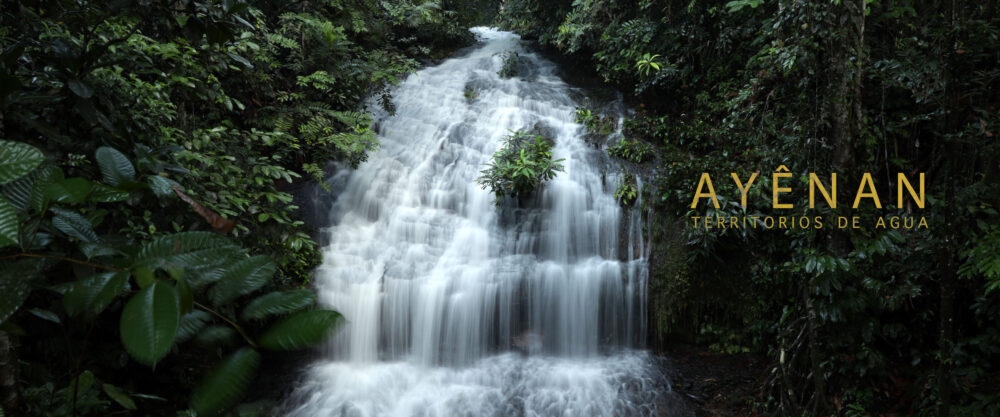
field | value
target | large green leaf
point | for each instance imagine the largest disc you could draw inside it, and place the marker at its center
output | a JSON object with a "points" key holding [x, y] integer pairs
{"points": [[74, 225], [17, 159], [119, 396], [217, 336], [187, 296], [80, 385], [115, 166], [45, 175], [18, 192], [225, 384], [90, 296], [9, 223], [70, 190], [105, 194], [149, 322], [278, 302], [191, 324], [188, 250], [93, 250], [300, 331], [241, 278], [162, 186], [15, 285]]}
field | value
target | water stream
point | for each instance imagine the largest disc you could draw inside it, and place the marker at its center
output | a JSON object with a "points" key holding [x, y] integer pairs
{"points": [[456, 308]]}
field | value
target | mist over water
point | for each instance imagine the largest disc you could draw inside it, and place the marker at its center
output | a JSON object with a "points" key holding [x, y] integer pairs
{"points": [[456, 308]]}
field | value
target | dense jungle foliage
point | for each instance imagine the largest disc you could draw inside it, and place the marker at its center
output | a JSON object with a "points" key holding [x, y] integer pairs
{"points": [[149, 243], [868, 321]]}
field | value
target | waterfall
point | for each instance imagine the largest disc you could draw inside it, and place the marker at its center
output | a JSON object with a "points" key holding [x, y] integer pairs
{"points": [[454, 307]]}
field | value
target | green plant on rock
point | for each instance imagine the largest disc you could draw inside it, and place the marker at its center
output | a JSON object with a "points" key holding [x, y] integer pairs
{"points": [[523, 163], [511, 60], [470, 94], [631, 150], [594, 122], [627, 191]]}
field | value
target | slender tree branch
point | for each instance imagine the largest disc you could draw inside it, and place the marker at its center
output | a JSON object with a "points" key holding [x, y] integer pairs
{"points": [[227, 320]]}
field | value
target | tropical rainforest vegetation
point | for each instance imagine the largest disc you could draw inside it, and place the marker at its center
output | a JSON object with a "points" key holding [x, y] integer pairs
{"points": [[867, 321], [150, 244], [151, 256]]}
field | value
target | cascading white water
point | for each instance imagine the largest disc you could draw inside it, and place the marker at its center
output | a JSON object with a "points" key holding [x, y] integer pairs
{"points": [[454, 307]]}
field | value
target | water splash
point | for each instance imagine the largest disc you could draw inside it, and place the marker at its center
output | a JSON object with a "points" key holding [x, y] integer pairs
{"points": [[457, 308]]}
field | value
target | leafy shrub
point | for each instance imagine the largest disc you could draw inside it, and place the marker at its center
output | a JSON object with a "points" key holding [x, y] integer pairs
{"points": [[595, 123], [134, 124], [166, 289], [648, 63], [627, 191], [522, 164], [631, 150], [511, 60]]}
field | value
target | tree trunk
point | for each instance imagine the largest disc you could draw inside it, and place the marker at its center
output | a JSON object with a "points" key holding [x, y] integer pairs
{"points": [[945, 343], [847, 118]]}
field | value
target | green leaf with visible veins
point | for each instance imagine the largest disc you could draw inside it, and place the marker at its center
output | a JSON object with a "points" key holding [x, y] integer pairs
{"points": [[90, 296], [9, 223], [74, 225], [191, 324], [242, 278], [161, 186], [17, 159], [225, 384], [188, 250], [149, 322], [115, 166], [278, 302], [301, 330]]}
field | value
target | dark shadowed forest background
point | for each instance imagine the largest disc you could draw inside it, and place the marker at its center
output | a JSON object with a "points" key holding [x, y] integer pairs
{"points": [[154, 262]]}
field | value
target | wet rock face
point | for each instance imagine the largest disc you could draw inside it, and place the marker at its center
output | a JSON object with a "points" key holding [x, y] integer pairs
{"points": [[454, 307]]}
